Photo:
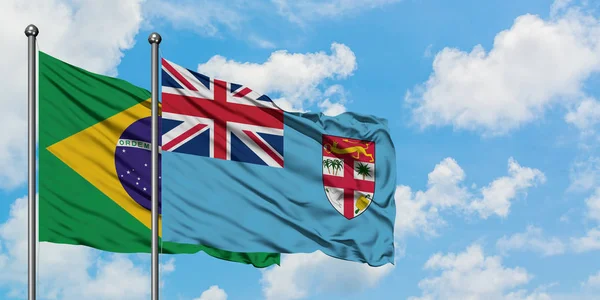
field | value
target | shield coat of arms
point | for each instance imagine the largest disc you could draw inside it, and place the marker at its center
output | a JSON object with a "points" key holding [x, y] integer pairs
{"points": [[348, 174]]}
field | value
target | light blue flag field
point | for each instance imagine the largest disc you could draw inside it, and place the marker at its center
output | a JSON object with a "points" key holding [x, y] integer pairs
{"points": [[242, 175]]}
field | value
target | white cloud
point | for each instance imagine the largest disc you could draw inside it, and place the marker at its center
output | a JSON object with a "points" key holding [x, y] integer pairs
{"points": [[496, 196], [589, 242], [301, 11], [70, 30], [419, 211], [444, 189], [534, 64], [585, 174], [203, 17], [533, 240], [66, 271], [301, 275], [116, 278], [296, 77], [285, 104], [593, 282], [472, 275], [427, 53], [593, 206], [261, 42], [524, 295], [567, 216], [213, 293], [331, 109], [167, 267], [585, 116], [211, 18], [334, 104], [216, 19], [559, 6], [415, 214]]}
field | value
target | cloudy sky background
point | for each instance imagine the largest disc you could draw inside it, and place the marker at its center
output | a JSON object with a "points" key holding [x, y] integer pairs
{"points": [[492, 106]]}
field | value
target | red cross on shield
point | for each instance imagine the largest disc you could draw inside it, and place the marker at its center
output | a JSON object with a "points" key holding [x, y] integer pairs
{"points": [[348, 174]]}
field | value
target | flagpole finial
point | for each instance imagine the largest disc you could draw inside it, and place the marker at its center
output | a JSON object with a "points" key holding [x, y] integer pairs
{"points": [[154, 38], [31, 30]]}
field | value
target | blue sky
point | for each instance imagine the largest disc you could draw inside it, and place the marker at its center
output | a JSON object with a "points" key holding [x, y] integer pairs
{"points": [[492, 107]]}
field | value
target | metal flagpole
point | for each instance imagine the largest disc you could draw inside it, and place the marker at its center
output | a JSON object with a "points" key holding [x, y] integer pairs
{"points": [[154, 39], [31, 32]]}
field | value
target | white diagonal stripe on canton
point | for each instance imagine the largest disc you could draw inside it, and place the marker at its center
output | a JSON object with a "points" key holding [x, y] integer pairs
{"points": [[187, 130]]}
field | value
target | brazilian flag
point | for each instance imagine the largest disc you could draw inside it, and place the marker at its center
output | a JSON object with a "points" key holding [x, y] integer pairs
{"points": [[94, 165]]}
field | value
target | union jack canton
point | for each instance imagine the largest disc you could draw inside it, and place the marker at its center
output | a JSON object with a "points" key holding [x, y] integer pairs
{"points": [[213, 118]]}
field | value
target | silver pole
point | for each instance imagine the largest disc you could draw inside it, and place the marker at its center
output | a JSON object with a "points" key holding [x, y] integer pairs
{"points": [[154, 39], [31, 32]]}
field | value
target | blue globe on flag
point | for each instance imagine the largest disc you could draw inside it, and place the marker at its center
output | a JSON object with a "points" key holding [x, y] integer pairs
{"points": [[133, 163]]}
